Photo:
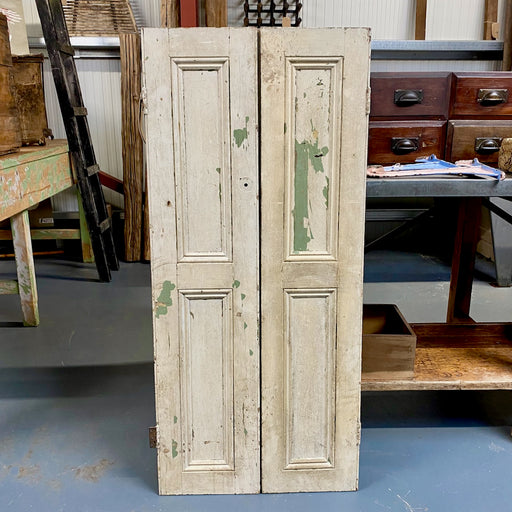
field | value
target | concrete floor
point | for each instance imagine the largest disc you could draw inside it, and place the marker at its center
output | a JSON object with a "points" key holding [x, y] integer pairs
{"points": [[76, 400]]}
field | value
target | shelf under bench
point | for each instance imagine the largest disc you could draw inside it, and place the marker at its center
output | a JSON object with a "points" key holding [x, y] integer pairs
{"points": [[456, 356]]}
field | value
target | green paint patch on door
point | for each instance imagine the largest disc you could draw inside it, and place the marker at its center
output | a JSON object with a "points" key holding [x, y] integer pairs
{"points": [[241, 134], [325, 192], [164, 300], [236, 283], [174, 449], [307, 153]]}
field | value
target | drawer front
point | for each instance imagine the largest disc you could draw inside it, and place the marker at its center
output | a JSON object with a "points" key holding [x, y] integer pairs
{"points": [[404, 141], [476, 139], [482, 94], [410, 94]]}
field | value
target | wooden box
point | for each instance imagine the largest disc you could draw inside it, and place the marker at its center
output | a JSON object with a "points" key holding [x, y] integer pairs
{"points": [[468, 139], [410, 95], [483, 94], [389, 343], [29, 95], [10, 136], [405, 141]]}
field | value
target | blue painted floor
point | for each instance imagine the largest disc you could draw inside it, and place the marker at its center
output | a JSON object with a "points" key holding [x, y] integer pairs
{"points": [[76, 400]]}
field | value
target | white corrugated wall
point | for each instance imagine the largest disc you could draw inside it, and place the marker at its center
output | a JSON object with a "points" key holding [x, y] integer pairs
{"points": [[389, 19]]}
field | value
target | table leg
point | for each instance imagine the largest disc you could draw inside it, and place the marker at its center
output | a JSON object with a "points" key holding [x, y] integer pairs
{"points": [[25, 268], [463, 261]]}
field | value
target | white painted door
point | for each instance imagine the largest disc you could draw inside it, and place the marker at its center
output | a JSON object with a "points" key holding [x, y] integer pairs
{"points": [[314, 107], [202, 147]]}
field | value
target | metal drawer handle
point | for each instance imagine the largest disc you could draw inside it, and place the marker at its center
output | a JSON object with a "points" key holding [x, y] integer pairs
{"points": [[487, 145], [408, 97], [404, 145], [490, 97]]}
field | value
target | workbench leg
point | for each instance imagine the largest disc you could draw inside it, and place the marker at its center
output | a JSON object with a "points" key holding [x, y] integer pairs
{"points": [[463, 262], [25, 268]]}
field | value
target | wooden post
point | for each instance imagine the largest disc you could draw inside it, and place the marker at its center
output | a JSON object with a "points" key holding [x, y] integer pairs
{"points": [[169, 13], [421, 19], [491, 27], [507, 38], [216, 13], [133, 171]]}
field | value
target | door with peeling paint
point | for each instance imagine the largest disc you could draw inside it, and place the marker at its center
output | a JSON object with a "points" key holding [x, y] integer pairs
{"points": [[314, 107], [203, 185]]}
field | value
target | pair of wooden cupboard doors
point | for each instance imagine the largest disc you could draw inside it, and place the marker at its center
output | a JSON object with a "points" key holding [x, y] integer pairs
{"points": [[256, 144]]}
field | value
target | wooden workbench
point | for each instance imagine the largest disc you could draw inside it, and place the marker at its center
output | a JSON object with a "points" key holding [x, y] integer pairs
{"points": [[458, 354], [33, 174]]}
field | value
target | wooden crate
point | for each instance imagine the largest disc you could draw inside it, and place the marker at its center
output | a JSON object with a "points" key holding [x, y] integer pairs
{"points": [[29, 96], [10, 136], [389, 343]]}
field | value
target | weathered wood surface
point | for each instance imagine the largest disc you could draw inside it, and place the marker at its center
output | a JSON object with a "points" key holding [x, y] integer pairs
{"points": [[448, 356], [28, 88], [170, 13], [314, 106], [33, 174], [10, 131], [491, 25], [25, 268], [216, 13], [203, 189], [420, 26], [133, 160]]}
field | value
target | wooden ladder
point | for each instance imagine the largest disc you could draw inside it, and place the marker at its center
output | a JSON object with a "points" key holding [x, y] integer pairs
{"points": [[74, 114]]}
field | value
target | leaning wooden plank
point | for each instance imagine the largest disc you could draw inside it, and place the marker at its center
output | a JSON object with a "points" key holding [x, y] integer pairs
{"points": [[203, 186], [314, 122], [491, 27], [216, 13], [169, 13], [421, 19], [133, 165], [25, 268]]}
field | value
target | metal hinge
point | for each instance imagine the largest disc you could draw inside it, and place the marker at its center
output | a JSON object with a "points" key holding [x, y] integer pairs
{"points": [[153, 437], [143, 111], [368, 99]]}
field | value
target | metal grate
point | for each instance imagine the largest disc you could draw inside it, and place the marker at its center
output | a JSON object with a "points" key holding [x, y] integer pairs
{"points": [[271, 13], [98, 18]]}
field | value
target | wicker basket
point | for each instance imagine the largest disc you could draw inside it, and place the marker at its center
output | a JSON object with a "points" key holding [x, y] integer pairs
{"points": [[98, 18]]}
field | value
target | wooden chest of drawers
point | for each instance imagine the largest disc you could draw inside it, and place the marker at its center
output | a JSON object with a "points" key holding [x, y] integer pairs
{"points": [[452, 115]]}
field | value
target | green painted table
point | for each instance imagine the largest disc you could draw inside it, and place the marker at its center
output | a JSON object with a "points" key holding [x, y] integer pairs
{"points": [[28, 177]]}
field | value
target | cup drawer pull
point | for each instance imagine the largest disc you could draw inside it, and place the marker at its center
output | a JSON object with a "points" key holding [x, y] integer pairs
{"points": [[490, 97], [404, 145], [487, 145], [408, 97]]}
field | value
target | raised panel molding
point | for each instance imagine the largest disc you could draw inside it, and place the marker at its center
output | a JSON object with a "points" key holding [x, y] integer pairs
{"points": [[310, 336], [200, 93], [206, 343], [312, 154]]}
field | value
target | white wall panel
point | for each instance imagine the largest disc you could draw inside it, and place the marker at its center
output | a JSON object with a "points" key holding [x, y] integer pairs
{"points": [[100, 81], [388, 19]]}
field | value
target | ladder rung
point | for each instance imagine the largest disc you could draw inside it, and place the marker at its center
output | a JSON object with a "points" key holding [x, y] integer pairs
{"points": [[79, 111], [93, 169], [66, 48], [104, 225]]}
